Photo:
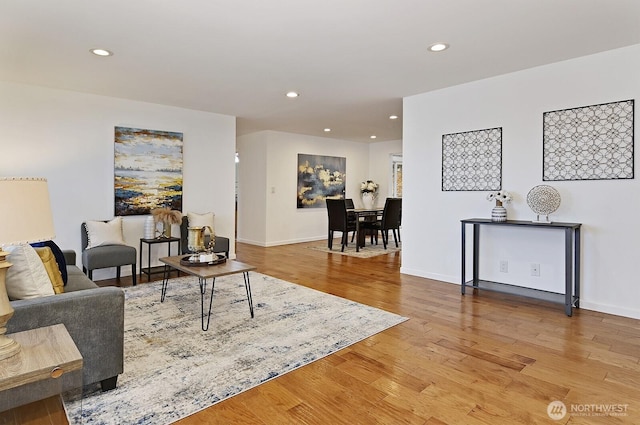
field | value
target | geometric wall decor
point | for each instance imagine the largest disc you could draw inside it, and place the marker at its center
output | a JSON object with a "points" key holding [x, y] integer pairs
{"points": [[147, 170], [472, 160], [589, 143], [320, 177]]}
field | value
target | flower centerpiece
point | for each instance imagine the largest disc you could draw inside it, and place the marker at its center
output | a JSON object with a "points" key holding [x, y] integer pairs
{"points": [[499, 212], [369, 187], [501, 196], [369, 193], [167, 217]]}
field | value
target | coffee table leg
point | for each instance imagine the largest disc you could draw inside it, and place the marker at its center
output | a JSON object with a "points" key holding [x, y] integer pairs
{"points": [[203, 291], [247, 286], [165, 282]]}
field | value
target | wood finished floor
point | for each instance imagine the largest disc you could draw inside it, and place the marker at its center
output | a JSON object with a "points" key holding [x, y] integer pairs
{"points": [[474, 359]]}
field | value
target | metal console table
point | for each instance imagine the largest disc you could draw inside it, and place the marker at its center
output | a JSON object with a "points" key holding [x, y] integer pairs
{"points": [[149, 242], [571, 258]]}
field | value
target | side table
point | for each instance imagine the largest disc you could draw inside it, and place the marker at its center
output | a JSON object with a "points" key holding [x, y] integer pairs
{"points": [[149, 242], [48, 364]]}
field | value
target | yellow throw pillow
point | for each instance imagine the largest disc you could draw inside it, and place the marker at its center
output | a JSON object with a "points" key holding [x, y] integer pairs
{"points": [[52, 268]]}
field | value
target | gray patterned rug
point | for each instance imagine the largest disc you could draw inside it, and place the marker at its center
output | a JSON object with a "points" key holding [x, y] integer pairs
{"points": [[174, 369]]}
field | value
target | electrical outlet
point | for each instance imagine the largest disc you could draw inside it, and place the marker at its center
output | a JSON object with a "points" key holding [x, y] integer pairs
{"points": [[504, 266], [535, 269]]}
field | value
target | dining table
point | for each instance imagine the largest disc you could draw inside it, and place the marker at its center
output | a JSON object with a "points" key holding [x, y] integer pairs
{"points": [[361, 215]]}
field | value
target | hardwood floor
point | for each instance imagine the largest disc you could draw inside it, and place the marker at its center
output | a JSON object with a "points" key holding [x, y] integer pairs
{"points": [[483, 359], [49, 411], [476, 359]]}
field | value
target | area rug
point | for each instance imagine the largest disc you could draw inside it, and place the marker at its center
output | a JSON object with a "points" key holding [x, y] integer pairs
{"points": [[368, 251], [174, 369]]}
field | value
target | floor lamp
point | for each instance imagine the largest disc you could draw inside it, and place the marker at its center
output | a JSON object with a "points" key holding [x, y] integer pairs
{"points": [[25, 218]]}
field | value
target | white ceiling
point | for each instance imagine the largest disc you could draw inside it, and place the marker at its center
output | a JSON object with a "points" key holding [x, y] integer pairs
{"points": [[351, 60]]}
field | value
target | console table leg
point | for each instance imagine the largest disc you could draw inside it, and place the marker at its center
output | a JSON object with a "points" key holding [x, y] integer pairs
{"points": [[464, 260], [568, 271], [576, 268], [476, 255]]}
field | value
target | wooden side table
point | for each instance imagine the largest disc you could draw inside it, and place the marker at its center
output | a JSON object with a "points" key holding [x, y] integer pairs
{"points": [[48, 363]]}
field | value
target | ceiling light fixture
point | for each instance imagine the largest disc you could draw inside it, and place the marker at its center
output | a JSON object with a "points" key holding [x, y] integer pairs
{"points": [[327, 130], [292, 94], [438, 47], [101, 52], [393, 117], [372, 137]]}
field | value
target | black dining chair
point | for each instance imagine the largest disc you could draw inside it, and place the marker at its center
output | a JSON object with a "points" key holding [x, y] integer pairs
{"points": [[390, 221], [338, 221], [351, 216], [348, 203]]}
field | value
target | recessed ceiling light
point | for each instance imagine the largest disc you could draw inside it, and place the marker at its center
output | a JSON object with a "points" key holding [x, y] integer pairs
{"points": [[101, 52], [326, 130], [372, 137], [393, 117], [292, 94], [438, 47]]}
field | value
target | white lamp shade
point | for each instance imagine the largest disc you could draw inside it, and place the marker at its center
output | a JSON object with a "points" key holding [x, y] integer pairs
{"points": [[25, 216]]}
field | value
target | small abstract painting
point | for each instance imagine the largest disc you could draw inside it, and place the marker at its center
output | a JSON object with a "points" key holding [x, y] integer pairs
{"points": [[589, 143], [472, 160], [319, 178], [148, 170]]}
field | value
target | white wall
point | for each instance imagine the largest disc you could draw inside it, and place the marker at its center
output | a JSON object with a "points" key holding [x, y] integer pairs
{"points": [[516, 102], [284, 222], [252, 188], [68, 137], [380, 168]]}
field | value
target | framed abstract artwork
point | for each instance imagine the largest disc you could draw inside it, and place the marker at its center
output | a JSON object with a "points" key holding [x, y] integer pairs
{"points": [[320, 177], [148, 170], [472, 160], [589, 143]]}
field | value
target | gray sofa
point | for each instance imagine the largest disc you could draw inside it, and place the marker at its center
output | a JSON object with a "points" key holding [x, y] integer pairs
{"points": [[93, 316]]}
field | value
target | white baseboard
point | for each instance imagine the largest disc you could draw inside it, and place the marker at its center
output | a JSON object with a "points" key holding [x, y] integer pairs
{"points": [[284, 242], [610, 309], [433, 276]]}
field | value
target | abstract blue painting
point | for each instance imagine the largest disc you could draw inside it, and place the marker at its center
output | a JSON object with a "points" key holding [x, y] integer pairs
{"points": [[320, 177]]}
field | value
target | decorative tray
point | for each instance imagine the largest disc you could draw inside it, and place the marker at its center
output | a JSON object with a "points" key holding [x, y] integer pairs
{"points": [[194, 260]]}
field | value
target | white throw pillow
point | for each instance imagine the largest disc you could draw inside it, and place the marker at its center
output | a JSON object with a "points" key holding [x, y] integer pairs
{"points": [[200, 220], [101, 233], [27, 277]]}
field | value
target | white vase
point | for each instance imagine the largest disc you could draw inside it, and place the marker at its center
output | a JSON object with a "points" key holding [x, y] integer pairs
{"points": [[368, 199], [149, 228], [499, 213]]}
